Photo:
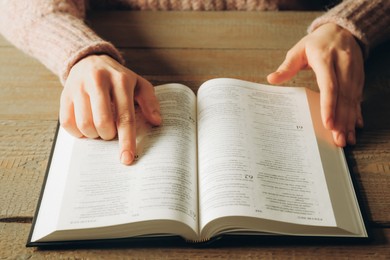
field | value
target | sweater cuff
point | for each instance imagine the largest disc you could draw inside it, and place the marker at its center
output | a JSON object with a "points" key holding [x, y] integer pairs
{"points": [[61, 40], [367, 20]]}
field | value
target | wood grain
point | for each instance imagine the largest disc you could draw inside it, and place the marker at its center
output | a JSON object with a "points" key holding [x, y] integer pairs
{"points": [[188, 48], [27, 89], [194, 66], [215, 30], [24, 151]]}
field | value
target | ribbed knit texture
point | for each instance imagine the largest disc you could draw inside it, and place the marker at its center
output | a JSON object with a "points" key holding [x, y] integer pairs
{"points": [[210, 5], [66, 43], [367, 20], [53, 31], [188, 5]]}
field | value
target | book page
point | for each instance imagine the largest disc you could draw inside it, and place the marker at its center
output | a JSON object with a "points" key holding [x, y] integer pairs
{"points": [[343, 195], [161, 184], [50, 203], [258, 155]]}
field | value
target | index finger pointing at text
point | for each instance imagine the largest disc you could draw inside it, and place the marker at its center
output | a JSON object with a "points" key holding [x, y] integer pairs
{"points": [[123, 96]]}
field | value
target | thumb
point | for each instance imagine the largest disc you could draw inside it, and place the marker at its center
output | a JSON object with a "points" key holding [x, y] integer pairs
{"points": [[295, 61]]}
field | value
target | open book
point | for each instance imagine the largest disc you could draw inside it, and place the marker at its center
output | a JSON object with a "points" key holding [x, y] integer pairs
{"points": [[240, 158]]}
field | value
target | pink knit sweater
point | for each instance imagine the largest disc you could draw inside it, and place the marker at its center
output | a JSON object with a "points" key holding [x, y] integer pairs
{"points": [[54, 31]]}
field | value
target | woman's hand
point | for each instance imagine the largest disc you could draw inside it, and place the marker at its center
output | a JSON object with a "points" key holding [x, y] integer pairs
{"points": [[337, 61], [98, 101]]}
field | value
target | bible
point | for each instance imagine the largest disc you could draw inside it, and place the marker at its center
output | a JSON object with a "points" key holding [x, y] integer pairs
{"points": [[237, 158]]}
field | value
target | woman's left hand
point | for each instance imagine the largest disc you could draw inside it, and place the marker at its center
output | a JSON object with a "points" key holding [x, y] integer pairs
{"points": [[337, 61]]}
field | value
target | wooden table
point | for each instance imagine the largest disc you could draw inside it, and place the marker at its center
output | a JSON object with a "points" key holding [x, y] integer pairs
{"points": [[189, 48]]}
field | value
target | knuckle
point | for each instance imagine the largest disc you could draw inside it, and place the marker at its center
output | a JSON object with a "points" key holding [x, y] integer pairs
{"points": [[349, 100], [347, 53], [126, 119], [331, 88], [320, 53], [346, 57], [66, 122], [103, 122], [324, 56], [124, 81], [84, 124], [109, 136], [98, 78], [121, 77], [98, 74], [290, 53], [67, 95]]}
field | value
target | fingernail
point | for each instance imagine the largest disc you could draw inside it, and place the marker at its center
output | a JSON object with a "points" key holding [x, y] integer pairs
{"points": [[127, 157], [157, 116], [360, 123], [351, 138], [341, 139], [329, 123]]}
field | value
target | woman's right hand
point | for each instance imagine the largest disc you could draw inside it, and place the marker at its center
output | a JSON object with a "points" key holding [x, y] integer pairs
{"points": [[98, 101]]}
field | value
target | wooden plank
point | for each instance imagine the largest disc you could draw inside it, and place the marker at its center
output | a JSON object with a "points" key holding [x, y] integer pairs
{"points": [[27, 89], [197, 65], [223, 30], [370, 164], [24, 152], [13, 237], [199, 29], [377, 69]]}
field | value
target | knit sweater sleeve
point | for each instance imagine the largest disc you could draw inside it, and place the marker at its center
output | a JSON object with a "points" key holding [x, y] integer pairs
{"points": [[53, 32], [368, 21]]}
